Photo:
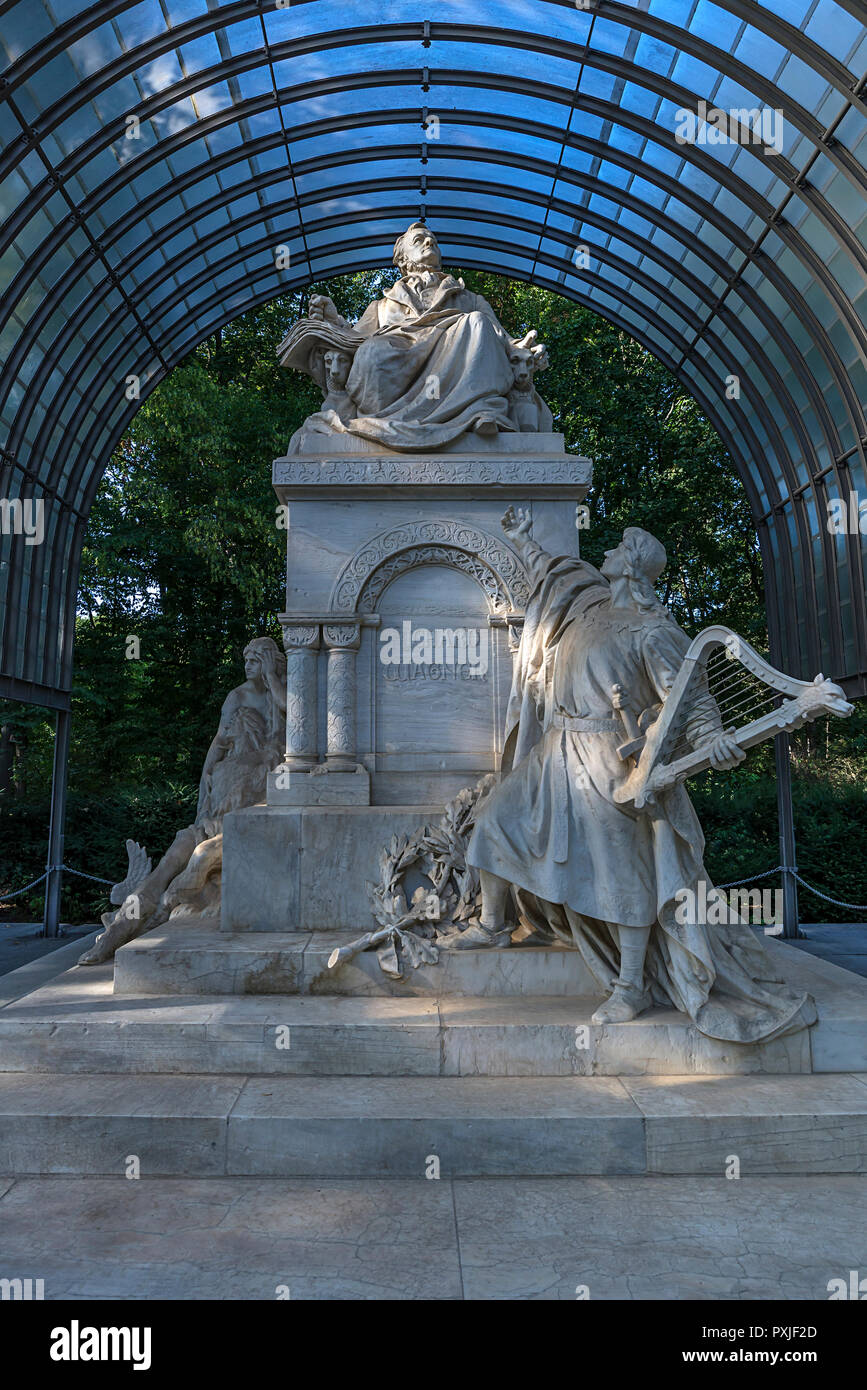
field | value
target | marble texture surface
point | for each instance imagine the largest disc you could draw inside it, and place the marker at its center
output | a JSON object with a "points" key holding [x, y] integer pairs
{"points": [[481, 1126], [78, 1024], [310, 864], [194, 1239], [555, 1036], [93, 1123], [67, 1028], [695, 1123], [194, 958], [385, 1125], [523, 1239], [200, 959], [669, 1238]]}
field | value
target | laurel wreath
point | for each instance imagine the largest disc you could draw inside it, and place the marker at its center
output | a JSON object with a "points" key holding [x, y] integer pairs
{"points": [[453, 900]]}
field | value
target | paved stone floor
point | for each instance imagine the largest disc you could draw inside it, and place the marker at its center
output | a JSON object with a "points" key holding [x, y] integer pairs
{"points": [[23, 942], [503, 1238], [843, 944]]}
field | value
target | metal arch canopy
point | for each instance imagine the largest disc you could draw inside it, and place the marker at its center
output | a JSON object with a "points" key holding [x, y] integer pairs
{"points": [[155, 153]]}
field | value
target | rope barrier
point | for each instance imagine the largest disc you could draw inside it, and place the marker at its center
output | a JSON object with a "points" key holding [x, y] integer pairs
{"points": [[25, 889], [736, 883], [782, 869], [64, 868]]}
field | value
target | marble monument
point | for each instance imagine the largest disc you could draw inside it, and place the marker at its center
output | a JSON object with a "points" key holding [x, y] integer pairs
{"points": [[434, 656], [404, 600]]}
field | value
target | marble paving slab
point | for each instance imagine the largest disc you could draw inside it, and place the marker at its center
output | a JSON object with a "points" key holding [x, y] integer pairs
{"points": [[522, 1239]]}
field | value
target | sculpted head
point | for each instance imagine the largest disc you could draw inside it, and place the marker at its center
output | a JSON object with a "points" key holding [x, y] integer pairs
{"points": [[640, 558], [526, 359], [337, 365], [416, 249], [262, 657], [521, 362]]}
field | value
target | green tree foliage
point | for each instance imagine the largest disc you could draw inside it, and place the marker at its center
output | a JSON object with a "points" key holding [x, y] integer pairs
{"points": [[183, 554], [657, 462]]}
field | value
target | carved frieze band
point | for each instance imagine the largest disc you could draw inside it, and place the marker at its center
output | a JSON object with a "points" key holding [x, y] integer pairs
{"points": [[494, 566], [428, 472]]}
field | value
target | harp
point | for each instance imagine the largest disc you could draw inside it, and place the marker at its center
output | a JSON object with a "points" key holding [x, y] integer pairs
{"points": [[722, 686]]}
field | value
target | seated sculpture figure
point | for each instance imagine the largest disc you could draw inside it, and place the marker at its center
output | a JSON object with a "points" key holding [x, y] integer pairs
{"points": [[430, 360], [247, 745], [587, 869]]}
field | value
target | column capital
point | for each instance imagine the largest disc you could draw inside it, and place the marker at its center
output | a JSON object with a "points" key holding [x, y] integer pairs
{"points": [[342, 635], [300, 635]]}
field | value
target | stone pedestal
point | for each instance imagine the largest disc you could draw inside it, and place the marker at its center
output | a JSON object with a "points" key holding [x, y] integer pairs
{"points": [[403, 555], [305, 868], [404, 605]]}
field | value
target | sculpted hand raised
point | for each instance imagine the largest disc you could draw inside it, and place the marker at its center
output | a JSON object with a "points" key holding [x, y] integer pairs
{"points": [[322, 306], [517, 524]]}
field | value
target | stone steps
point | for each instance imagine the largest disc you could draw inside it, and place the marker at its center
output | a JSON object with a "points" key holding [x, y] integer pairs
{"points": [[396, 1127], [195, 957], [373, 1083], [78, 1024], [192, 957]]}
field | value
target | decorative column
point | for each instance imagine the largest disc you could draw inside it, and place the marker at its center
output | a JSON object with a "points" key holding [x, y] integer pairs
{"points": [[342, 641], [515, 626], [301, 643]]}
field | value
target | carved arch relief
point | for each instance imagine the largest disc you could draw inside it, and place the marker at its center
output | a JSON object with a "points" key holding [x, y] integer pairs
{"points": [[495, 566]]}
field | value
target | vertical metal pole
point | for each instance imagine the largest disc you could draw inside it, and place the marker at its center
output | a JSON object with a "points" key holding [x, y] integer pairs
{"points": [[786, 819], [51, 920]]}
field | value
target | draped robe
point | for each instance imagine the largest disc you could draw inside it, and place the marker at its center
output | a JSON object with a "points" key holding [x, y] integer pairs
{"points": [[583, 865], [435, 361]]}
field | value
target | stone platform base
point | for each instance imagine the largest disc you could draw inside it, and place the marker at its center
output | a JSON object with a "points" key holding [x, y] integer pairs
{"points": [[372, 1083], [80, 1025], [193, 957], [521, 1011]]}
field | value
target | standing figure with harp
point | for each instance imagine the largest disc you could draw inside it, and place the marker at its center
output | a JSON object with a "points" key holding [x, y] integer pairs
{"points": [[592, 859]]}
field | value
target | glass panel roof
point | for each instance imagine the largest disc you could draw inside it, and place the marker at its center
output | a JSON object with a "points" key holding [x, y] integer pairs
{"points": [[153, 154]]}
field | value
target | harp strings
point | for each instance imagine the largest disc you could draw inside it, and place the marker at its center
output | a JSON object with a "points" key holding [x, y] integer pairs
{"points": [[738, 695]]}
